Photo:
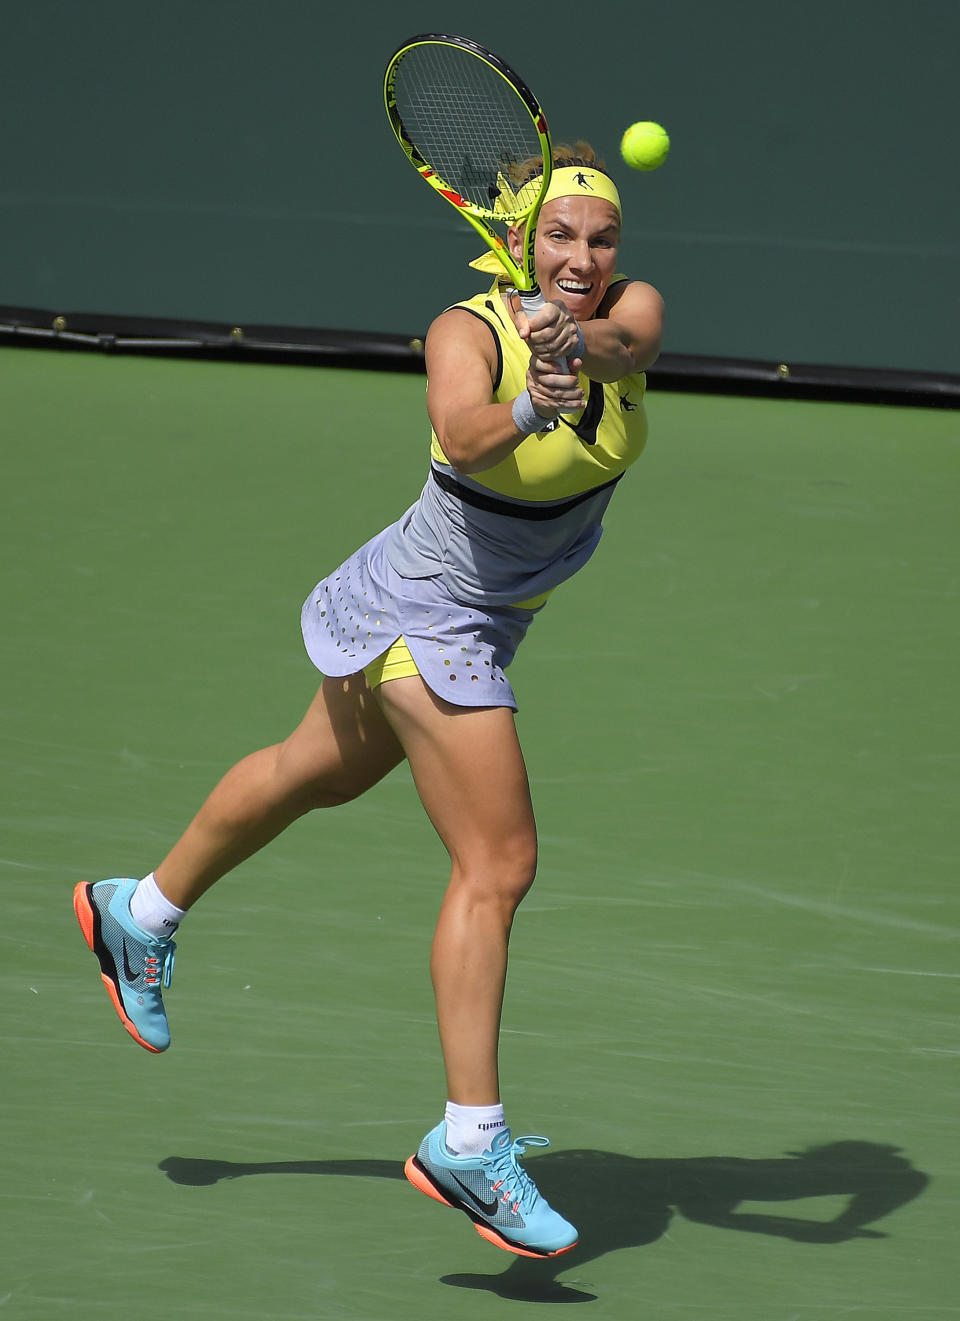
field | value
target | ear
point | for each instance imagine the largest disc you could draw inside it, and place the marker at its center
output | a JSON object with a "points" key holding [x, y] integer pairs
{"points": [[515, 241]]}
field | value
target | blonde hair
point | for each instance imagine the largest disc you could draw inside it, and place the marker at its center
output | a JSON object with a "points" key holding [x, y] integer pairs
{"points": [[581, 153]]}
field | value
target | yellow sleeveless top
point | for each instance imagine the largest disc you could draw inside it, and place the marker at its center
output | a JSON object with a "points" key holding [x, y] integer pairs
{"points": [[586, 449]]}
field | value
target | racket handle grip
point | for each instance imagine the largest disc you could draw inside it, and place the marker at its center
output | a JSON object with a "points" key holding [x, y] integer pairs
{"points": [[531, 302]]}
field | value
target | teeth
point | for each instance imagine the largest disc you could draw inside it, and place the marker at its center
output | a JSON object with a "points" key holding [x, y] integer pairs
{"points": [[573, 287]]}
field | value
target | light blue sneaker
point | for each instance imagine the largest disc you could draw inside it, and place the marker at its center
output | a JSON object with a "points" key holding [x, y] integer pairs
{"points": [[499, 1197], [132, 964]]}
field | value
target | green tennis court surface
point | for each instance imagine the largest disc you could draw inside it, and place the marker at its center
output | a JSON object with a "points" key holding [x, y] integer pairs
{"points": [[733, 997]]}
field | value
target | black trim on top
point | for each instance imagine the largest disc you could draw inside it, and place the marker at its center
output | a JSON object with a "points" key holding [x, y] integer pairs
{"points": [[591, 417], [493, 504], [369, 350], [459, 307]]}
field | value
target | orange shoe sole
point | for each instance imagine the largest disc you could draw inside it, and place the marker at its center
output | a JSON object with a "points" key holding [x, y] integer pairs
{"points": [[89, 920], [421, 1180]]}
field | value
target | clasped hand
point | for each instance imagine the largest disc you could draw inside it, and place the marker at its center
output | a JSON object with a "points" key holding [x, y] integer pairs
{"points": [[552, 334]]}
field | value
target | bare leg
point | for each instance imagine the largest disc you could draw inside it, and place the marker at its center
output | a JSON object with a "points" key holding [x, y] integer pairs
{"points": [[341, 748], [470, 775]]}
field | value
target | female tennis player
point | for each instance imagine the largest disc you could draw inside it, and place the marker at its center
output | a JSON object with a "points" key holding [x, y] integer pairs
{"points": [[413, 635]]}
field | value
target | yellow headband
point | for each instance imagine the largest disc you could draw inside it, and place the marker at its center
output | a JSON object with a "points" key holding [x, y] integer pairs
{"points": [[567, 181], [582, 181]]}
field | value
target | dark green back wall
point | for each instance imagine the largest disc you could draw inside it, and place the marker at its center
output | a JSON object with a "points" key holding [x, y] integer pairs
{"points": [[232, 162]]}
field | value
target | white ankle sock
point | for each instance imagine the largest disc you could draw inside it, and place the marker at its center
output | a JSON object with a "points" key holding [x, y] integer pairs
{"points": [[471, 1128], [152, 910]]}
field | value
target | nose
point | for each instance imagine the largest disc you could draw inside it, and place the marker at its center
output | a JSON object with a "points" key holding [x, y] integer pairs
{"points": [[581, 258]]}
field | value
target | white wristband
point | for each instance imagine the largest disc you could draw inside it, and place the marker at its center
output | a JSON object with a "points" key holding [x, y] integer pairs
{"points": [[525, 417]]}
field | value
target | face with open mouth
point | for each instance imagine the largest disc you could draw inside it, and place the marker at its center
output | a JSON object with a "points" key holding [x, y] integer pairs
{"points": [[576, 251]]}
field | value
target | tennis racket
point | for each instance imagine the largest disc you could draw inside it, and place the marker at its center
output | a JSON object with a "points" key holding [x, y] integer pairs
{"points": [[468, 123]]}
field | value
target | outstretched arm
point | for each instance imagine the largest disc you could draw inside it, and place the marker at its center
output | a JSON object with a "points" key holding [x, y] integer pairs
{"points": [[623, 337]]}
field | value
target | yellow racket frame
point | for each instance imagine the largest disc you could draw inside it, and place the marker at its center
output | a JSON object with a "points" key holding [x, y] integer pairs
{"points": [[523, 273]]}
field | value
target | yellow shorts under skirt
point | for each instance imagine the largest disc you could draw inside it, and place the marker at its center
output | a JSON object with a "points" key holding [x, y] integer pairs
{"points": [[395, 663]]}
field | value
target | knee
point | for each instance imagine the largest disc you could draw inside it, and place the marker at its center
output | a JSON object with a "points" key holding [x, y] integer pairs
{"points": [[523, 867], [321, 784], [322, 793], [502, 874]]}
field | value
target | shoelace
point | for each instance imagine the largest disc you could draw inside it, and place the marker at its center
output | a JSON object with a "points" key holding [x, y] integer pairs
{"points": [[156, 967], [518, 1188]]}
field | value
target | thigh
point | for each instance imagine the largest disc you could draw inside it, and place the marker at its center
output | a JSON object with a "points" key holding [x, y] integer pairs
{"points": [[343, 745], [468, 768]]}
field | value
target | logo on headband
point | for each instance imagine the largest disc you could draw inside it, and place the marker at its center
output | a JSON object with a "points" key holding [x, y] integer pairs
{"points": [[574, 180]]}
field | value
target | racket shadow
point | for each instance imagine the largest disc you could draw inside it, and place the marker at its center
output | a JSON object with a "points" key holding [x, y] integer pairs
{"points": [[198, 1173], [622, 1201]]}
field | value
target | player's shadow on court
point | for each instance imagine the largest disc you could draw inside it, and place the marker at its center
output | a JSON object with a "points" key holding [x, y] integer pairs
{"points": [[627, 1201]]}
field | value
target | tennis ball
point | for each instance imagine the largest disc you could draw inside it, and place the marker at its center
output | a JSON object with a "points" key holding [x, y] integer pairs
{"points": [[644, 146]]}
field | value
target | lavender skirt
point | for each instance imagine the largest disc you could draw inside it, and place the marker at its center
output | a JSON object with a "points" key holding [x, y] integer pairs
{"points": [[461, 651]]}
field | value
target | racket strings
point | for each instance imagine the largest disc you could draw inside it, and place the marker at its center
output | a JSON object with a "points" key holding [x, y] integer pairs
{"points": [[469, 124]]}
